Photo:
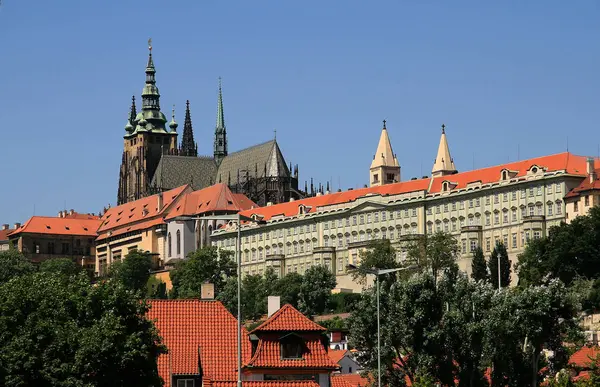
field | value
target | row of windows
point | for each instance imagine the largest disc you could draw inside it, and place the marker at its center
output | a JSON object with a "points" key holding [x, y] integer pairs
{"points": [[476, 202], [526, 236], [177, 242]]}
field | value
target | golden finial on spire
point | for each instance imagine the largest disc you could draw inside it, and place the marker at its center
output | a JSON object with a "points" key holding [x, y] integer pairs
{"points": [[173, 111], [150, 44]]}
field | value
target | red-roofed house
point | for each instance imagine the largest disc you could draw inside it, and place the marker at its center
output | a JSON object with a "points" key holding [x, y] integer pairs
{"points": [[586, 195], [136, 225], [185, 236], [4, 231], [285, 351], [345, 360], [583, 361], [510, 203], [70, 235], [349, 380]]}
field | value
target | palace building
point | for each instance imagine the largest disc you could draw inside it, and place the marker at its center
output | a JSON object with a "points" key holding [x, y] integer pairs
{"points": [[510, 203], [153, 161]]}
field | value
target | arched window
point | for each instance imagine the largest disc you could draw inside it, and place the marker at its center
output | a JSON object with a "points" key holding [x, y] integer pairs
{"points": [[178, 241], [170, 245]]}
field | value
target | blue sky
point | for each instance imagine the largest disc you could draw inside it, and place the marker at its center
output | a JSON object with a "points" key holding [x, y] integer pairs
{"points": [[510, 78]]}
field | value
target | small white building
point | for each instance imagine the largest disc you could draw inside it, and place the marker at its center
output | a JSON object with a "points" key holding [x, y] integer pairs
{"points": [[185, 236]]}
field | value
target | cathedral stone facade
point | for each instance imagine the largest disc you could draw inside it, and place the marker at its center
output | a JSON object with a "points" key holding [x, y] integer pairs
{"points": [[153, 162]]}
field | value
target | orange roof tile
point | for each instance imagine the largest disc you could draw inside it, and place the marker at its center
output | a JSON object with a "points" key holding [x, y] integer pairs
{"points": [[585, 185], [337, 354], [349, 380], [567, 162], [268, 354], [264, 383], [584, 357], [4, 234], [217, 197], [77, 215], [288, 318], [192, 328], [58, 226], [139, 214]]}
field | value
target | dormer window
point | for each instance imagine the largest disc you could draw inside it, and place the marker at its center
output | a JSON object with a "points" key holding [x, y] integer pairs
{"points": [[292, 347], [448, 186], [301, 209], [504, 175]]}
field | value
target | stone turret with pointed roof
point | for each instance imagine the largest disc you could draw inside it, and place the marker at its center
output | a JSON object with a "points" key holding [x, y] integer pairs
{"points": [[188, 146], [443, 164], [220, 146], [385, 168]]}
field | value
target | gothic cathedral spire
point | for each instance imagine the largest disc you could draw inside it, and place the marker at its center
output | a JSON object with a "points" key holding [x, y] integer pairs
{"points": [[443, 164], [188, 146], [220, 146], [385, 168]]}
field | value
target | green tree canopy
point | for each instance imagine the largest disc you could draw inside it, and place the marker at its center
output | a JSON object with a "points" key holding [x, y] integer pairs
{"points": [[207, 264], [134, 271], [59, 331], [289, 288], [315, 291], [478, 266], [379, 254], [64, 266], [13, 264], [499, 254], [434, 253], [254, 299]]}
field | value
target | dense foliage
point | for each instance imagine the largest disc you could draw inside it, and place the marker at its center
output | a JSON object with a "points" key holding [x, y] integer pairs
{"points": [[478, 266], [58, 329], [133, 271], [499, 255]]}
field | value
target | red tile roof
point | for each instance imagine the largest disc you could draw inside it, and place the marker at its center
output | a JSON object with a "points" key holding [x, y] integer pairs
{"points": [[264, 383], [4, 234], [268, 354], [58, 226], [139, 214], [215, 198], [584, 357], [349, 380], [192, 329], [288, 318], [77, 215], [567, 162], [337, 354], [586, 185]]}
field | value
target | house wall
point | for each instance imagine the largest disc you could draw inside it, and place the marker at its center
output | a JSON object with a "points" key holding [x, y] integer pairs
{"points": [[348, 365], [39, 247], [513, 212]]}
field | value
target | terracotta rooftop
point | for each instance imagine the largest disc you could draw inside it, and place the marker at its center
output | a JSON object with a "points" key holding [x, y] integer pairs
{"points": [[288, 318], [139, 214], [192, 327], [59, 226], [4, 234], [584, 357], [215, 198], [349, 380], [337, 354], [264, 383], [586, 185], [564, 162]]}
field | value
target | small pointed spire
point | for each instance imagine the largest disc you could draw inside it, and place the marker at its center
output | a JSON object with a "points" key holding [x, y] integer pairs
{"points": [[384, 124], [220, 144], [443, 129], [327, 189], [220, 113], [444, 163], [150, 64], [305, 187], [188, 146], [133, 110], [275, 134], [173, 124]]}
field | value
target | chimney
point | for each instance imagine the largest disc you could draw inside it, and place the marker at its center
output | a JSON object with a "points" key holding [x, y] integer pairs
{"points": [[319, 194], [269, 204], [273, 304], [590, 169], [292, 199], [159, 201], [207, 291], [60, 214], [5, 227], [17, 225], [71, 211]]}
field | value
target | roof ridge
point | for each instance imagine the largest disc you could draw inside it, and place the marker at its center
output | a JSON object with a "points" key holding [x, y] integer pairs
{"points": [[251, 146]]}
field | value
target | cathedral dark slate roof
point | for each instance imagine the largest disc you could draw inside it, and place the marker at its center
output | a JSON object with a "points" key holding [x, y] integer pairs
{"points": [[253, 159], [174, 171]]}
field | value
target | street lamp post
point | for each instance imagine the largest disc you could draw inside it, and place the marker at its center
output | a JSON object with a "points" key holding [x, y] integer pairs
{"points": [[238, 218], [377, 273]]}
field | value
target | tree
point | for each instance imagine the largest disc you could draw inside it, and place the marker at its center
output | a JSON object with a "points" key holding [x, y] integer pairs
{"points": [[478, 267], [434, 253], [289, 288], [134, 271], [63, 331], [228, 296], [379, 255], [271, 283], [254, 301], [64, 266], [156, 288], [499, 254], [13, 264], [315, 291], [203, 265]]}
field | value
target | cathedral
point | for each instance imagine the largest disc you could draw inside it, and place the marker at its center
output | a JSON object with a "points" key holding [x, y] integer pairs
{"points": [[153, 161]]}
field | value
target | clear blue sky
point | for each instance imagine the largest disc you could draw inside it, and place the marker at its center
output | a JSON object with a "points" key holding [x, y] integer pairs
{"points": [[516, 74]]}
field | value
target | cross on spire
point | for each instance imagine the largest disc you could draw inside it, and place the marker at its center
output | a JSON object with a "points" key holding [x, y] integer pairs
{"points": [[443, 128], [384, 121], [275, 134]]}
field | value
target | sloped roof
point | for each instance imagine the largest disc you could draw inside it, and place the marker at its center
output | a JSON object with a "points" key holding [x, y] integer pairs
{"points": [[58, 226], [443, 161], [348, 380], [567, 162], [585, 186], [215, 198], [192, 327], [138, 214], [268, 354], [4, 234], [175, 171], [264, 383], [584, 357], [337, 354], [288, 318], [384, 155], [253, 159]]}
